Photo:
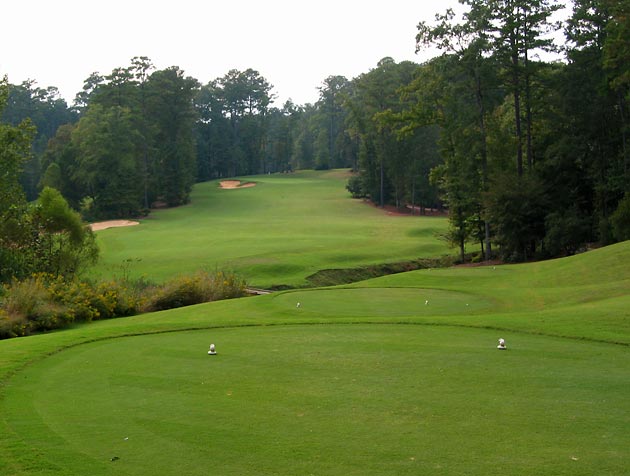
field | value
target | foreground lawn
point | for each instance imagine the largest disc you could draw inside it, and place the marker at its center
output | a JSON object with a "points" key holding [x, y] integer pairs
{"points": [[333, 399], [396, 375], [284, 229]]}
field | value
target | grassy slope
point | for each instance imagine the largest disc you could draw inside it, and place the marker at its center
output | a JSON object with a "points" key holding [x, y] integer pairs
{"points": [[279, 232], [585, 296], [564, 401]]}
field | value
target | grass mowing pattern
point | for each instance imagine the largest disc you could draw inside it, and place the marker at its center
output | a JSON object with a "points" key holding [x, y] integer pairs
{"points": [[360, 379], [287, 227], [336, 400], [370, 303]]}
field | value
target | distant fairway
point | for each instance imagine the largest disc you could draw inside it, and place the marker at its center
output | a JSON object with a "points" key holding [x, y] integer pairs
{"points": [[284, 229], [397, 375]]}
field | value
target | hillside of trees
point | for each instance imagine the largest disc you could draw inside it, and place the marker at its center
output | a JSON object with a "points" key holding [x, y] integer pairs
{"points": [[528, 156]]}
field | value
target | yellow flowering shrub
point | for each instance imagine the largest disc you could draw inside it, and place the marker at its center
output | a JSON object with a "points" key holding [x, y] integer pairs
{"points": [[44, 302]]}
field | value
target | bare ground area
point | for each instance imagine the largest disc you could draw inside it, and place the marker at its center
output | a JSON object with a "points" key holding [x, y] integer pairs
{"points": [[103, 225]]}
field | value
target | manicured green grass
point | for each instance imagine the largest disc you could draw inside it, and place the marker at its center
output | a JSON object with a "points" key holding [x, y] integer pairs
{"points": [[335, 400], [284, 229], [586, 296], [392, 376]]}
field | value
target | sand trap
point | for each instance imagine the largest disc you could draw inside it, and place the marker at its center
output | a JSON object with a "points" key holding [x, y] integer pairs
{"points": [[229, 184], [103, 225]]}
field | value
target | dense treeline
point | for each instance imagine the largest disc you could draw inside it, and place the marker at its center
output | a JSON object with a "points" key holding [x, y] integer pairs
{"points": [[534, 153], [530, 157], [133, 145], [139, 138], [44, 235]]}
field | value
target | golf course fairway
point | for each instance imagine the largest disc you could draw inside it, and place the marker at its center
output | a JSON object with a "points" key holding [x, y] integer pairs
{"points": [[277, 233], [396, 375]]}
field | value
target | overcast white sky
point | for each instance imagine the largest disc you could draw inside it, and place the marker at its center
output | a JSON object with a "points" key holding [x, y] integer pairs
{"points": [[295, 44]]}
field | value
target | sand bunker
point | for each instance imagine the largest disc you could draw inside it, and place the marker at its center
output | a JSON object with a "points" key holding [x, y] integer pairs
{"points": [[229, 184], [103, 225]]}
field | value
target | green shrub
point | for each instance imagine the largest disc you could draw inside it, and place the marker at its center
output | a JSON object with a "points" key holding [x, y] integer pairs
{"points": [[119, 299], [87, 302], [620, 219], [50, 316], [178, 292], [195, 289], [225, 285], [77, 296], [356, 186], [45, 302], [567, 232]]}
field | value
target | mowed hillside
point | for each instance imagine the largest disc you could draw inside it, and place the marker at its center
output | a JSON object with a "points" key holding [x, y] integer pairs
{"points": [[278, 232], [586, 296]]}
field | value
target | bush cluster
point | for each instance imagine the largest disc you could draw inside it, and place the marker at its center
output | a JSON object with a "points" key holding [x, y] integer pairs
{"points": [[43, 302], [187, 290], [28, 306]]}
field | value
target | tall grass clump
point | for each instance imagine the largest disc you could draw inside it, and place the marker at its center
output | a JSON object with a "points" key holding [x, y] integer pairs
{"points": [[202, 286], [43, 302], [27, 306]]}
